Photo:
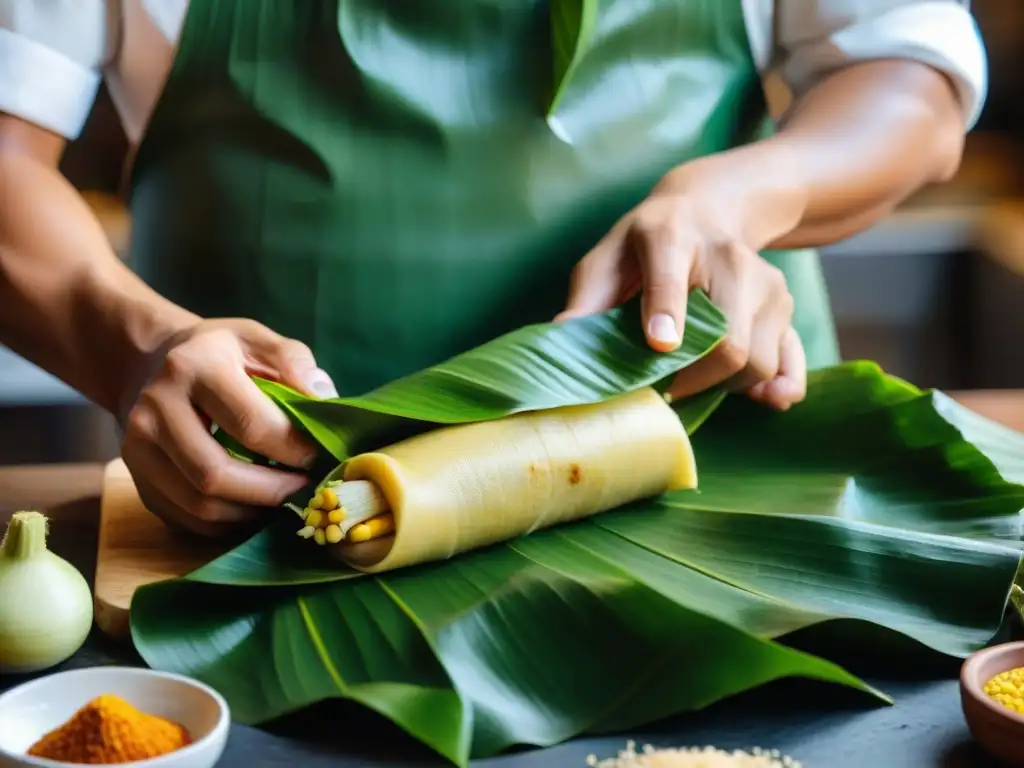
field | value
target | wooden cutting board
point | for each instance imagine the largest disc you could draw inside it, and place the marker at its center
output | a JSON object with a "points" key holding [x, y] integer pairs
{"points": [[135, 548]]}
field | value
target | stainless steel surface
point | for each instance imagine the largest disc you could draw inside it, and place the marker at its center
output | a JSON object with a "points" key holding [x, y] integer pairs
{"points": [[996, 296], [45, 434], [22, 383], [930, 230]]}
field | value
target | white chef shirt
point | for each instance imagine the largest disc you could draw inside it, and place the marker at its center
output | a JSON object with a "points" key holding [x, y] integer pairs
{"points": [[55, 53]]}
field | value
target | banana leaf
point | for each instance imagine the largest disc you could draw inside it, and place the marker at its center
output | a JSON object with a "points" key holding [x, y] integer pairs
{"points": [[573, 23], [548, 365], [872, 501]]}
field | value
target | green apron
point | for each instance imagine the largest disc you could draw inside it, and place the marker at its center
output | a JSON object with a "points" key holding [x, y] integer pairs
{"points": [[382, 179]]}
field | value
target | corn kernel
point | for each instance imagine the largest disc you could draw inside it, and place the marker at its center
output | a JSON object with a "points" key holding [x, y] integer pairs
{"points": [[333, 534], [374, 528], [319, 537], [329, 499], [306, 531], [336, 516], [315, 518], [317, 502]]}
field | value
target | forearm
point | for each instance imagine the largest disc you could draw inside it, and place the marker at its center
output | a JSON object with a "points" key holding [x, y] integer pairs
{"points": [[67, 303], [850, 151]]}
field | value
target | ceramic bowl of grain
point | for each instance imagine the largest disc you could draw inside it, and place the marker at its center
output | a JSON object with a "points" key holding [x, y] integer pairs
{"points": [[989, 705], [38, 707]]}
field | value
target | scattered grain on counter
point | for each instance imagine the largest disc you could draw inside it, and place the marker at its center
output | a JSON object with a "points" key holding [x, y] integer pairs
{"points": [[1007, 688], [693, 757]]}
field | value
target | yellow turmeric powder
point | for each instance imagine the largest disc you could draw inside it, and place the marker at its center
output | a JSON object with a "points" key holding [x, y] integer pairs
{"points": [[110, 730]]}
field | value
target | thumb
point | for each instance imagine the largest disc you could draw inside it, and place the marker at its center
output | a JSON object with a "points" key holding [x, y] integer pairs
{"points": [[299, 370], [293, 362]]}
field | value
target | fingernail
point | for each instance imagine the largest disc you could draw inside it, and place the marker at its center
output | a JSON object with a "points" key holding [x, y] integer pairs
{"points": [[308, 461], [663, 328], [320, 384]]}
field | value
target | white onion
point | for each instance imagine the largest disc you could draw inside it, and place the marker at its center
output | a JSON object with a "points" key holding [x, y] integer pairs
{"points": [[45, 603]]}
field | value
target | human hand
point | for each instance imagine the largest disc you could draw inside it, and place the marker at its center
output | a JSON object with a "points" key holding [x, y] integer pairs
{"points": [[689, 234], [182, 473]]}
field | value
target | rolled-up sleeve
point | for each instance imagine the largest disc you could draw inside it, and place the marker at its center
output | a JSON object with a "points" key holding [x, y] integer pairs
{"points": [[51, 53], [815, 38]]}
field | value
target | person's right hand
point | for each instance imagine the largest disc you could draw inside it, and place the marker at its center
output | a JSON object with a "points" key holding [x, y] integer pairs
{"points": [[183, 475], [691, 233]]}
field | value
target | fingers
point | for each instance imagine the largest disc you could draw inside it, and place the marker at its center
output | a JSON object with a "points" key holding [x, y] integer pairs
{"points": [[168, 495], [211, 369], [739, 299], [230, 398], [665, 248], [763, 353], [790, 385], [593, 287], [723, 363], [598, 282], [196, 475], [183, 473], [292, 361], [208, 468], [665, 262], [753, 296], [642, 252]]}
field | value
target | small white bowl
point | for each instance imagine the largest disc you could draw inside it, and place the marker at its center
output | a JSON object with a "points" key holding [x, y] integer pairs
{"points": [[38, 706]]}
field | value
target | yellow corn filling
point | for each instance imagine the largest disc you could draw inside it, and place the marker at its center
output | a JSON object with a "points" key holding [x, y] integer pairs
{"points": [[324, 515], [373, 528]]}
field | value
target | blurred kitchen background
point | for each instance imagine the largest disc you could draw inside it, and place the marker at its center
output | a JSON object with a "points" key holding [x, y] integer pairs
{"points": [[935, 294]]}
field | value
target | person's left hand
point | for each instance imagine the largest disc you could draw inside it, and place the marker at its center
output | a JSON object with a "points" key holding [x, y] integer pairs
{"points": [[691, 233]]}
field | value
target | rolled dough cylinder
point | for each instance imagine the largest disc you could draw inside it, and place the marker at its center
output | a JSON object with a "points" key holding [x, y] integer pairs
{"points": [[463, 487]]}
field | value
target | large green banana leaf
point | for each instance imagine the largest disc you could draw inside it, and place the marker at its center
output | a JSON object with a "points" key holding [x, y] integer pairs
{"points": [[537, 367], [870, 501]]}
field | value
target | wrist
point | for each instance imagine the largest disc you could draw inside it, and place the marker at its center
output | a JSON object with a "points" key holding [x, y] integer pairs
{"points": [[132, 325], [758, 190]]}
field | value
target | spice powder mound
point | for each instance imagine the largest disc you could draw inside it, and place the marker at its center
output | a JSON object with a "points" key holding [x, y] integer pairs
{"points": [[1007, 688], [109, 730]]}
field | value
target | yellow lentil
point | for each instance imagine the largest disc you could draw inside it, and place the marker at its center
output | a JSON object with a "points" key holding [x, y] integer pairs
{"points": [[1007, 688]]}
